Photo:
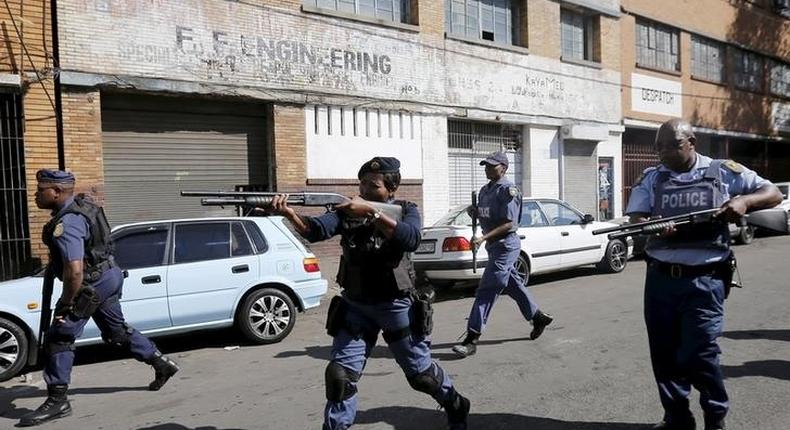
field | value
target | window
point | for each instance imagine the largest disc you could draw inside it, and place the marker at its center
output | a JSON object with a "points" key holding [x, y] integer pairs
{"points": [[748, 70], [531, 216], [141, 247], [657, 46], [578, 35], [560, 214], [202, 241], [390, 10], [780, 79], [707, 59], [239, 242], [256, 236], [490, 20]]}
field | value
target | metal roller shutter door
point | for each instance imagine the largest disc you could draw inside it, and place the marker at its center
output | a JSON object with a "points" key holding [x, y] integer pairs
{"points": [[581, 172], [155, 148]]}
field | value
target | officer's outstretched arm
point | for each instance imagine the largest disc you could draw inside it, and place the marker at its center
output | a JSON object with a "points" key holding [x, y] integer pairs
{"points": [[766, 196]]}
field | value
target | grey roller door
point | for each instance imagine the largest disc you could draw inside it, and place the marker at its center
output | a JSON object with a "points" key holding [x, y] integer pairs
{"points": [[581, 169], [156, 146]]}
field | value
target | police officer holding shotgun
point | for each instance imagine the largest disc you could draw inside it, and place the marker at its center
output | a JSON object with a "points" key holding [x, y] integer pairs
{"points": [[81, 255], [378, 295], [689, 269]]}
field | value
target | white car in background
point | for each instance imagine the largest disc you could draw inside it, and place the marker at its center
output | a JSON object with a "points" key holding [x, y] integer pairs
{"points": [[554, 236]]}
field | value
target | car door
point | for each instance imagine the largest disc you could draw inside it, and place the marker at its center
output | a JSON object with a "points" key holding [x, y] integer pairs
{"points": [[578, 244], [540, 239], [211, 260]]}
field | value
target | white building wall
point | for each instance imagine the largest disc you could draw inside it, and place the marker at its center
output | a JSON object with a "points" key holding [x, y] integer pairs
{"points": [[544, 162], [614, 148], [435, 180]]}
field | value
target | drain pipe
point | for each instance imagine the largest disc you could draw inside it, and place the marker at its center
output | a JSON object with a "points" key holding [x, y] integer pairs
{"points": [[58, 101]]}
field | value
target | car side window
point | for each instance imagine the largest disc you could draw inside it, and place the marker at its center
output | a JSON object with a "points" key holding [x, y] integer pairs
{"points": [[560, 214], [531, 216], [239, 242], [202, 242], [256, 236], [143, 247]]}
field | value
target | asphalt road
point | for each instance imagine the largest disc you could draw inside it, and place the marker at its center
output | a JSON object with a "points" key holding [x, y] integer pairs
{"points": [[589, 371]]}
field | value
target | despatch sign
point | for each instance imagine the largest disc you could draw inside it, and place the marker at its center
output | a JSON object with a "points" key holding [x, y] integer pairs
{"points": [[655, 95]]}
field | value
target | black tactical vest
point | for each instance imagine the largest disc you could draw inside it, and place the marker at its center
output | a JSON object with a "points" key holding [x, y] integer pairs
{"points": [[372, 268], [98, 246]]}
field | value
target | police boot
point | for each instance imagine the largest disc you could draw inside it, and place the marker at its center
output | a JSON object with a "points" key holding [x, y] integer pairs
{"points": [[686, 424], [468, 346], [457, 408], [714, 423], [56, 406], [539, 323], [164, 369]]}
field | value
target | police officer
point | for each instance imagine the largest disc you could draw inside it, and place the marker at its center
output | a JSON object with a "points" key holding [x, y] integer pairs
{"points": [[688, 269], [377, 278], [81, 255], [499, 209]]}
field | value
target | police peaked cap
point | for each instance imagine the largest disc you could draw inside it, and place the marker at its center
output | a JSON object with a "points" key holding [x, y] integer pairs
{"points": [[60, 177], [380, 165], [495, 158]]}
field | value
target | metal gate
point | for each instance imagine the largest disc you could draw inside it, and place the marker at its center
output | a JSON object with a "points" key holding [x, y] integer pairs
{"points": [[14, 228], [638, 154], [468, 143]]}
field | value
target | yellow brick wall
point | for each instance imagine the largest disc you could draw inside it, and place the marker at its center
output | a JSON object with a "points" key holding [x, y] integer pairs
{"points": [[289, 146], [543, 28], [82, 138]]}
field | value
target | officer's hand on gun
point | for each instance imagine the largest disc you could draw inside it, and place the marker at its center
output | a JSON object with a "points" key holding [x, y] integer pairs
{"points": [[732, 210], [477, 241], [356, 208]]}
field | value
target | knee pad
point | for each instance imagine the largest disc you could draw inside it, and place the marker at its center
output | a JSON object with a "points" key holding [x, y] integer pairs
{"points": [[56, 346], [119, 336], [429, 381], [340, 382]]}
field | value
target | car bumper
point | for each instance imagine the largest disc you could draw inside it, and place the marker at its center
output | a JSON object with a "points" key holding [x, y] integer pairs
{"points": [[458, 270], [310, 292]]}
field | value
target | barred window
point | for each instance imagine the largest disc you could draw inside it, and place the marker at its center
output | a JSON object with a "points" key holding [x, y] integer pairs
{"points": [[780, 79], [577, 30], [490, 20], [748, 70], [707, 59], [390, 10], [657, 46]]}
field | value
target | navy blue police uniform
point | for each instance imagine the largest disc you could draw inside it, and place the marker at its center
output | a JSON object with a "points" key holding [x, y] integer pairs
{"points": [[685, 282], [377, 278]]}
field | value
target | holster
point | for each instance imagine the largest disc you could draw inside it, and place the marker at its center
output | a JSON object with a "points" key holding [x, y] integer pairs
{"points": [[336, 316], [729, 275], [422, 310], [86, 302]]}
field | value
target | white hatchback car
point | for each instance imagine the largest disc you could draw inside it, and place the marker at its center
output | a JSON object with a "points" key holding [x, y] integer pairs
{"points": [[555, 236]]}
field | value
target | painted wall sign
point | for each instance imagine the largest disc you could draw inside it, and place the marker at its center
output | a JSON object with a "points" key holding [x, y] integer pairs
{"points": [[655, 95], [780, 117]]}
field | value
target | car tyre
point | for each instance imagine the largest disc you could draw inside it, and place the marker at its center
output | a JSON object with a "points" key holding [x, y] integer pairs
{"points": [[266, 316], [13, 349], [615, 258], [522, 268], [745, 235]]}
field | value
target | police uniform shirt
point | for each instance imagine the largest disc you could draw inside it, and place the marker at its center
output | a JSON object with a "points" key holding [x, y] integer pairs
{"points": [[69, 237], [733, 184], [497, 204]]}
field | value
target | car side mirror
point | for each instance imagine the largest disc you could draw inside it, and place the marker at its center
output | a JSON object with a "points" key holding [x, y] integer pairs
{"points": [[587, 219]]}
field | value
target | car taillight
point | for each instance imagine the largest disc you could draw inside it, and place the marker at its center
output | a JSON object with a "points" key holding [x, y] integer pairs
{"points": [[311, 265], [454, 244]]}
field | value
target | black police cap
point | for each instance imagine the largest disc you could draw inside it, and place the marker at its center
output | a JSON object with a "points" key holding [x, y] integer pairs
{"points": [[380, 165]]}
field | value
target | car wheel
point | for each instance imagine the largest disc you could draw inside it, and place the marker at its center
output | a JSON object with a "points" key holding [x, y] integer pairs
{"points": [[615, 258], [13, 349], [266, 316], [745, 235], [522, 268]]}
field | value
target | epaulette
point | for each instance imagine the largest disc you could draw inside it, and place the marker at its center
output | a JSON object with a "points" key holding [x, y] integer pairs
{"points": [[733, 166], [643, 175]]}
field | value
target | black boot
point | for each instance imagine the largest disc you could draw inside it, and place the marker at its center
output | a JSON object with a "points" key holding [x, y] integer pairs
{"points": [[714, 423], [164, 369], [539, 323], [56, 406], [457, 408], [684, 424], [468, 346]]}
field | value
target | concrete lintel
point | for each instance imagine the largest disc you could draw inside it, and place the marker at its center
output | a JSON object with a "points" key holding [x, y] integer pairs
{"points": [[10, 80]]}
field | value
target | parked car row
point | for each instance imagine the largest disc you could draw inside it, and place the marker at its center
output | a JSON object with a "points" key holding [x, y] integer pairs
{"points": [[186, 275]]}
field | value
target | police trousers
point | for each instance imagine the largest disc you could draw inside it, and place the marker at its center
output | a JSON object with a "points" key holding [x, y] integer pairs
{"points": [[108, 317], [684, 317], [500, 276], [353, 345]]}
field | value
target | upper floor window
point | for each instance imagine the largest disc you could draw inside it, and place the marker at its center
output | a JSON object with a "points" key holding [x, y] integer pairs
{"points": [[390, 10], [748, 70], [490, 20], [780, 79], [657, 46], [707, 59], [578, 35]]}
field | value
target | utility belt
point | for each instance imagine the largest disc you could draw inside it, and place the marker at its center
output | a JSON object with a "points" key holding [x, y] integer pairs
{"points": [[726, 270], [85, 304], [421, 318], [94, 273]]}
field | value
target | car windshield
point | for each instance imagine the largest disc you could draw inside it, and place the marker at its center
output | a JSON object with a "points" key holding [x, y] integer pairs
{"points": [[456, 216]]}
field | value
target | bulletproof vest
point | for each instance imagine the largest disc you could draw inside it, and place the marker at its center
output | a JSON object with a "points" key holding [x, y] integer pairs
{"points": [[98, 246], [373, 268], [676, 197]]}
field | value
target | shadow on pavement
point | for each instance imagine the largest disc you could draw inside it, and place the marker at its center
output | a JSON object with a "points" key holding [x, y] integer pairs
{"points": [[779, 369], [8, 409], [777, 334], [173, 426], [406, 418]]}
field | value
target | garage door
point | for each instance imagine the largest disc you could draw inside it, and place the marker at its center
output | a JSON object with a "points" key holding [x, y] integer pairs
{"points": [[156, 146], [581, 170]]}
